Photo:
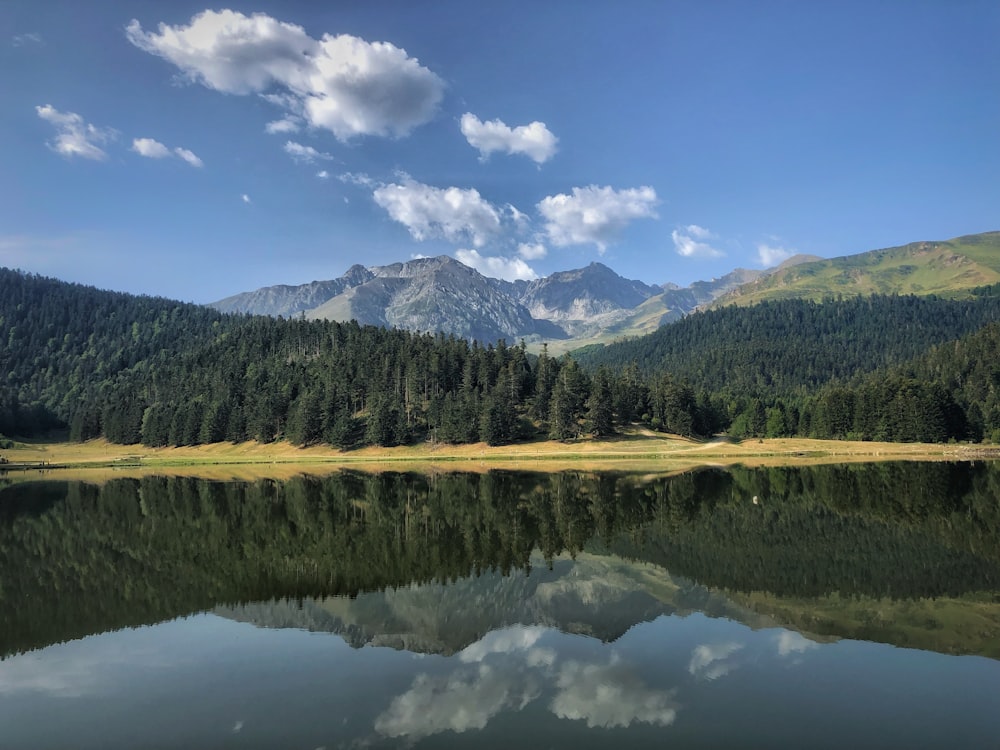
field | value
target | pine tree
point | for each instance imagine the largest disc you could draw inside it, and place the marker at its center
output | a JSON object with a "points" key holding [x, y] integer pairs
{"points": [[600, 415]]}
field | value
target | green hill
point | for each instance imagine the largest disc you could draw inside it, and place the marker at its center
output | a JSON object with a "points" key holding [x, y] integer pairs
{"points": [[943, 268]]}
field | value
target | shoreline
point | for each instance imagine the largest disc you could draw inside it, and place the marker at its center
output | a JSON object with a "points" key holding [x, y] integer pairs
{"points": [[636, 452]]}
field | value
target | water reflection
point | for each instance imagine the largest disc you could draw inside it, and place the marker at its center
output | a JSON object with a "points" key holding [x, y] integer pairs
{"points": [[504, 609], [207, 681]]}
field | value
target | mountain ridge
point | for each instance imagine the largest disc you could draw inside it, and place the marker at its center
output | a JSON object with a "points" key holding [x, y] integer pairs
{"points": [[595, 305], [443, 294]]}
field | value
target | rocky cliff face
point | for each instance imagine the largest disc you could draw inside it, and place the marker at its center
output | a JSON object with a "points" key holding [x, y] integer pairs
{"points": [[442, 294], [583, 294], [291, 300]]}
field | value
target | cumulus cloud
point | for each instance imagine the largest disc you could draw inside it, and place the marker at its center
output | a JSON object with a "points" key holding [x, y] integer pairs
{"points": [[497, 267], [594, 215], [150, 148], [454, 214], [153, 149], [323, 174], [532, 251], [341, 83], [74, 136], [610, 695], [304, 154], [533, 140], [772, 255], [712, 661], [287, 124], [692, 241]]}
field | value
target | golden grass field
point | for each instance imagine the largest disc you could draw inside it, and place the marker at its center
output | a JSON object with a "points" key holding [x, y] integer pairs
{"points": [[639, 451]]}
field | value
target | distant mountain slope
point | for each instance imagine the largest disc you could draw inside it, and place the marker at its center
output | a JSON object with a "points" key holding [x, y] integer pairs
{"points": [[435, 294], [595, 305], [791, 345], [945, 268], [584, 299], [668, 305], [442, 294], [291, 300]]}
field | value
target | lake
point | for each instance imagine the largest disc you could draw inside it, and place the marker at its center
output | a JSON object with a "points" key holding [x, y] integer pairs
{"points": [[823, 607]]}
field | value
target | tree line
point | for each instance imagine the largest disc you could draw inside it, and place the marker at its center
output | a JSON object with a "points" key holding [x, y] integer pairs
{"points": [[154, 371], [157, 372]]}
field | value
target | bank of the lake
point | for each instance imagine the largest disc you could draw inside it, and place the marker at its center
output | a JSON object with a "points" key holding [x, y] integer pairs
{"points": [[639, 451]]}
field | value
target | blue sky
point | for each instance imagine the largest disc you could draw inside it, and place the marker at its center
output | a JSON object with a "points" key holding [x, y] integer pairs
{"points": [[196, 151]]}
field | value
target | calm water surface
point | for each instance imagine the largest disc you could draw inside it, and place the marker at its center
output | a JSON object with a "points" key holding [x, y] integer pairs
{"points": [[849, 607]]}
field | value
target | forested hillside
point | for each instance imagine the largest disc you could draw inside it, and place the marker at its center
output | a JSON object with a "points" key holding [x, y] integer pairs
{"points": [[137, 369], [952, 390], [158, 372], [793, 346]]}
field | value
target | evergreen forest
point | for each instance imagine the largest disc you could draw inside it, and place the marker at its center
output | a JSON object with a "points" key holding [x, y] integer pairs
{"points": [[137, 369]]}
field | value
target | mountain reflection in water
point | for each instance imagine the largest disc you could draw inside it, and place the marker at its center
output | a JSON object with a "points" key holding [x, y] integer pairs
{"points": [[504, 608]]}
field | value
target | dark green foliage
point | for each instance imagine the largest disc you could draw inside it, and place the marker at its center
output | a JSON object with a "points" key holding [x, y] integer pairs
{"points": [[139, 369], [793, 346], [569, 395], [600, 405]]}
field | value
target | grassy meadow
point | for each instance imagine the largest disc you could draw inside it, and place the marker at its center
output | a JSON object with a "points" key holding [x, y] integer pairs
{"points": [[640, 451]]}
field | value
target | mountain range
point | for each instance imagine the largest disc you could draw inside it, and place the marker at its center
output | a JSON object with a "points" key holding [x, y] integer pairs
{"points": [[442, 294], [592, 305]]}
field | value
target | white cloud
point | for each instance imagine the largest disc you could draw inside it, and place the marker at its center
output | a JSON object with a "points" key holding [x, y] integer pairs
{"points": [[790, 642], [699, 233], [450, 213], [189, 157], [595, 215], [610, 695], [74, 137], [497, 267], [711, 661], [529, 251], [287, 124], [357, 178], [304, 154], [692, 242], [520, 219], [22, 40], [534, 140], [150, 148], [153, 149], [772, 255], [323, 174], [343, 84], [245, 198]]}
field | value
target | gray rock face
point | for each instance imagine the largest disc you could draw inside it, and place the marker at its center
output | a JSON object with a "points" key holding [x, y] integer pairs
{"points": [[583, 294], [291, 300], [442, 294], [433, 294]]}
